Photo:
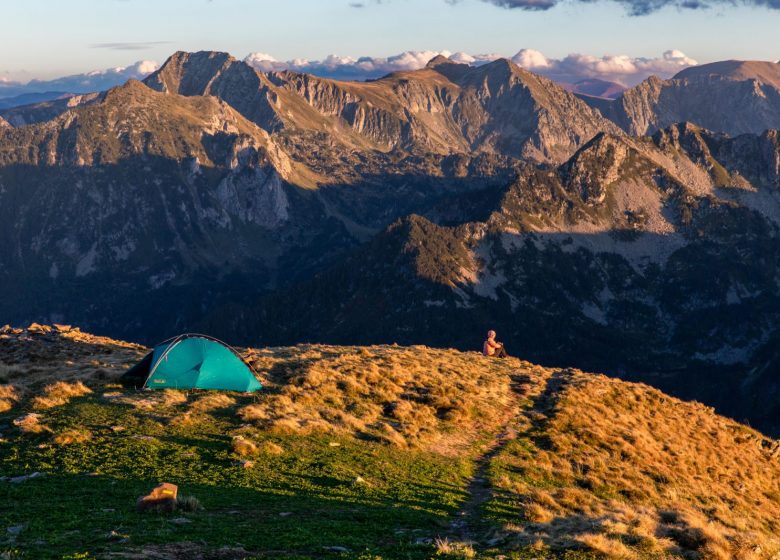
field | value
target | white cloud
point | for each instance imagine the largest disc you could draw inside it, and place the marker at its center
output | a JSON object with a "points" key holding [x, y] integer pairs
{"points": [[97, 80], [622, 69], [531, 60], [347, 67]]}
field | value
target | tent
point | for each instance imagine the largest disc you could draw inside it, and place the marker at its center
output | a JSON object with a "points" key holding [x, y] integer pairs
{"points": [[192, 361]]}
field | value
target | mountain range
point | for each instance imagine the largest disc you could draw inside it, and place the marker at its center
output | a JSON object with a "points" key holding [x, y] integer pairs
{"points": [[636, 235]]}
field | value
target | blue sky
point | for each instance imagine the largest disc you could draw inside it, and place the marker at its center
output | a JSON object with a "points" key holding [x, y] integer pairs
{"points": [[48, 38]]}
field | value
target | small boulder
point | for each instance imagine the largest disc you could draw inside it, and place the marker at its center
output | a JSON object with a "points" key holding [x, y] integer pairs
{"points": [[24, 477], [161, 498], [15, 530], [35, 328]]}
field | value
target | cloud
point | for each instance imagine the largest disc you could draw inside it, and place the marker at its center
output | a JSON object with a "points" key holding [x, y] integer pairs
{"points": [[634, 7], [347, 67], [129, 46], [97, 80], [622, 69]]}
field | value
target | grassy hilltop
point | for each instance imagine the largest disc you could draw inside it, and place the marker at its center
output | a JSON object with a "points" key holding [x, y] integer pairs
{"points": [[370, 452]]}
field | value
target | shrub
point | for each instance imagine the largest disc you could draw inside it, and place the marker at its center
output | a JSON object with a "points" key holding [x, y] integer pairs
{"points": [[188, 503]]}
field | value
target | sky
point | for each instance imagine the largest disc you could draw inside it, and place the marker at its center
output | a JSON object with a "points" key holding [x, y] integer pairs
{"points": [[44, 39]]}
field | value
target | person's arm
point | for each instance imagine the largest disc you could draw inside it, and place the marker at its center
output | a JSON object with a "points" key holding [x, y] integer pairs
{"points": [[493, 344]]}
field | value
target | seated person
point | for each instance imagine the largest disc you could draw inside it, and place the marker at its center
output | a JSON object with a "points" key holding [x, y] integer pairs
{"points": [[492, 347]]}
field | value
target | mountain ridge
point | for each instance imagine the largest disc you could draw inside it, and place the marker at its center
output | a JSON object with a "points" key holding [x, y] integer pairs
{"points": [[495, 194], [383, 111], [742, 97]]}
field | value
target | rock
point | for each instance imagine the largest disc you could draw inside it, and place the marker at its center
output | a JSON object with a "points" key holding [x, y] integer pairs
{"points": [[247, 464], [15, 530], [24, 477], [334, 444], [63, 328], [161, 498], [117, 537], [335, 548], [285, 513], [35, 328], [180, 521]]}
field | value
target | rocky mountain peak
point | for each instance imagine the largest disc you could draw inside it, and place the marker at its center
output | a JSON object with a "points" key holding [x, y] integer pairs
{"points": [[453, 71], [438, 60], [734, 97], [184, 72], [684, 137], [595, 166], [764, 72]]}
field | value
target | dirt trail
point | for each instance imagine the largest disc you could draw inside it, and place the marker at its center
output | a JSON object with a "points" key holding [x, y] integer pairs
{"points": [[541, 388]]}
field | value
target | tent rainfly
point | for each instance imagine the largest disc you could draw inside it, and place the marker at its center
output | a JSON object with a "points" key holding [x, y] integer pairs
{"points": [[192, 361]]}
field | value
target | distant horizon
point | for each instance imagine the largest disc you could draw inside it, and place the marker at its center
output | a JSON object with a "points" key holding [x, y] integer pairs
{"points": [[25, 77], [574, 68], [42, 41]]}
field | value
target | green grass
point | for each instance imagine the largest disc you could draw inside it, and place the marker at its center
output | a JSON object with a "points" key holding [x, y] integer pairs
{"points": [[374, 500], [300, 501]]}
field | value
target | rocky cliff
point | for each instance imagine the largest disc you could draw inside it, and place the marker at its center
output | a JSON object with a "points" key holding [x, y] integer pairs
{"points": [[734, 97], [444, 108]]}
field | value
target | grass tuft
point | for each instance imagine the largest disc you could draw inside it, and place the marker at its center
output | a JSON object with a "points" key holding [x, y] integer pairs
{"points": [[454, 549], [244, 447], [59, 393], [72, 436], [188, 503]]}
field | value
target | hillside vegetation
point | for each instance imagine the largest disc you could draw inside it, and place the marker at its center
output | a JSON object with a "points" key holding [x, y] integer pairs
{"points": [[369, 452]]}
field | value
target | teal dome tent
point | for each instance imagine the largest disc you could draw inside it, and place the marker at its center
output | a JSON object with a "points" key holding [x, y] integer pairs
{"points": [[192, 361]]}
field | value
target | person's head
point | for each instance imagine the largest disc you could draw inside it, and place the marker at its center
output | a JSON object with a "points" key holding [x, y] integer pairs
{"points": [[491, 334]]}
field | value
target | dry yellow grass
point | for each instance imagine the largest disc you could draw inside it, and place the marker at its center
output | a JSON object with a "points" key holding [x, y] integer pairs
{"points": [[610, 547], [212, 401], [9, 395], [9, 392], [454, 549], [244, 447], [59, 393], [271, 448], [627, 470], [151, 400], [438, 399], [72, 436], [67, 355], [30, 424]]}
